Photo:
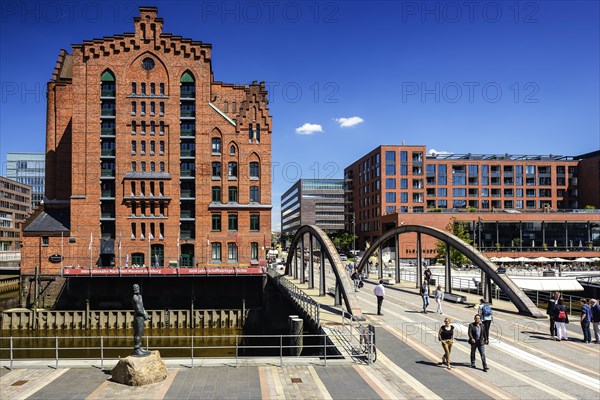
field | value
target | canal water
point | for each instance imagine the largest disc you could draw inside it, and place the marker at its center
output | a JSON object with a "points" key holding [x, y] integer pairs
{"points": [[261, 336]]}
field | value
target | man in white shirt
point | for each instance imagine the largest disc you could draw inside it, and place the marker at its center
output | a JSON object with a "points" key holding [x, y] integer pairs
{"points": [[379, 292]]}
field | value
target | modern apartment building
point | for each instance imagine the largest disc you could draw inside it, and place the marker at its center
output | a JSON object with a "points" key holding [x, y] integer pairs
{"points": [[28, 169], [149, 159], [313, 202], [393, 184], [15, 207]]}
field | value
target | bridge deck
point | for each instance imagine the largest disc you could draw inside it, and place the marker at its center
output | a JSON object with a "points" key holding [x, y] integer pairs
{"points": [[158, 272], [525, 363]]}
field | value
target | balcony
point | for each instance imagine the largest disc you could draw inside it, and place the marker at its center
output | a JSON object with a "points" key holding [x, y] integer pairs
{"points": [[108, 113], [107, 93], [187, 132], [107, 216], [186, 194], [187, 114], [186, 173], [188, 95], [186, 214], [186, 235], [107, 152], [107, 131], [107, 172], [187, 153], [109, 194]]}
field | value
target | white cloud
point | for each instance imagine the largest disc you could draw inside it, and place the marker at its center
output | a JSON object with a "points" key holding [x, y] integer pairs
{"points": [[349, 122], [309, 129], [434, 152]]}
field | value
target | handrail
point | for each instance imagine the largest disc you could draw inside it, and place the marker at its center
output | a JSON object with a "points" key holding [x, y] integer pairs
{"points": [[360, 339], [323, 347], [302, 300]]}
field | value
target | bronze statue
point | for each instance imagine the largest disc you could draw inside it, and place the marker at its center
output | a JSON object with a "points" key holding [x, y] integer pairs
{"points": [[140, 315]]}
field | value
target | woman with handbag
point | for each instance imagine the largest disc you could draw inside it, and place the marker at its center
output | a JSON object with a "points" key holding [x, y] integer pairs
{"points": [[561, 319]]}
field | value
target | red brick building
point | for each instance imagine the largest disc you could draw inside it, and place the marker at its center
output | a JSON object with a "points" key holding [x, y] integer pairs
{"points": [[522, 203], [149, 160]]}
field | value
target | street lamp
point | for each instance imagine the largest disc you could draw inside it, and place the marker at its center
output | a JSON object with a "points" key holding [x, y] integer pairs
{"points": [[353, 237]]}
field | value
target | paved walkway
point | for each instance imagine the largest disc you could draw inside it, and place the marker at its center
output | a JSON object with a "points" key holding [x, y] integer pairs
{"points": [[525, 363]]}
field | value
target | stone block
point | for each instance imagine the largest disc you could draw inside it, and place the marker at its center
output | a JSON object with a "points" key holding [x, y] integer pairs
{"points": [[139, 371]]}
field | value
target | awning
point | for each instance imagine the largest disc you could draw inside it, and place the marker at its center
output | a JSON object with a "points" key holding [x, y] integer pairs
{"points": [[547, 284]]}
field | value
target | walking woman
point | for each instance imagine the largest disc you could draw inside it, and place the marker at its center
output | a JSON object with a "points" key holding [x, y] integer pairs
{"points": [[560, 320], [439, 297], [446, 336]]}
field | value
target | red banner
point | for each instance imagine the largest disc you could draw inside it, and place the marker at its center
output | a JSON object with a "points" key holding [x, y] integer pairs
{"points": [[161, 271]]}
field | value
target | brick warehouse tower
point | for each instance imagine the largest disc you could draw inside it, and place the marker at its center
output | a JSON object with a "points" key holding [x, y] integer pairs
{"points": [[149, 160]]}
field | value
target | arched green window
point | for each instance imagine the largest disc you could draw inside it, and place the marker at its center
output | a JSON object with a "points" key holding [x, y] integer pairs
{"points": [[187, 77], [108, 84]]}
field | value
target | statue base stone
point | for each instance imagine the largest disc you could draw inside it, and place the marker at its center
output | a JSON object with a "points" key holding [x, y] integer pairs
{"points": [[139, 371]]}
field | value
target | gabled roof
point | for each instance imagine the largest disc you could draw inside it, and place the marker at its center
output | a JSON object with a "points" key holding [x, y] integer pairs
{"points": [[55, 220]]}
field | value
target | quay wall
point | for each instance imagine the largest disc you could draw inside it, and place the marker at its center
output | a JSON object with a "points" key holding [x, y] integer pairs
{"points": [[121, 319]]}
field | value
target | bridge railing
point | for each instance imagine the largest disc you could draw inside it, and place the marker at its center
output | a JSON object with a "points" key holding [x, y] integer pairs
{"points": [[359, 339], [469, 285], [302, 301]]}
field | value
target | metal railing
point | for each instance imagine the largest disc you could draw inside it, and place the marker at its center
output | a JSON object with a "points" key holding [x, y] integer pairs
{"points": [[359, 339], [107, 348], [300, 299]]}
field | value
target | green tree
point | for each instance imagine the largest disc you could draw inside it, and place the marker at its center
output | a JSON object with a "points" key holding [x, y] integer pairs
{"points": [[461, 230], [343, 240]]}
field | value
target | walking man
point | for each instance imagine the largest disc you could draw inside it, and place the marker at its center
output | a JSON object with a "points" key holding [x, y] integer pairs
{"points": [[485, 310], [478, 339], [425, 295], [379, 291], [586, 317], [595, 319], [551, 311]]}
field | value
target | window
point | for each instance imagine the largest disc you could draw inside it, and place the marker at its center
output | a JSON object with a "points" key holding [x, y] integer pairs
{"points": [[152, 108], [254, 169], [143, 147], [152, 147], [152, 166], [216, 145], [254, 222], [216, 251], [232, 251], [162, 128], [232, 150], [254, 251], [143, 166], [390, 183], [232, 170], [216, 169], [133, 88], [133, 146], [403, 183], [133, 166], [133, 108], [404, 197], [162, 166], [143, 88], [143, 108], [162, 108], [442, 192], [216, 194], [152, 127], [459, 192], [161, 147], [232, 222], [216, 222], [390, 197], [232, 194], [162, 89], [390, 162], [254, 194], [153, 89], [143, 127]]}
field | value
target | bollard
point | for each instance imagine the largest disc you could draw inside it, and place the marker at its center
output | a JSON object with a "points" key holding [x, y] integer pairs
{"points": [[297, 338], [11, 353]]}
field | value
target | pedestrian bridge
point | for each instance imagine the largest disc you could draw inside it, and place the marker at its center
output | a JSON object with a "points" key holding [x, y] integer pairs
{"points": [[302, 257]]}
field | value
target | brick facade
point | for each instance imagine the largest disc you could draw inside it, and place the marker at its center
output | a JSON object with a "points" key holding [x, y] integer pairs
{"points": [[130, 126]]}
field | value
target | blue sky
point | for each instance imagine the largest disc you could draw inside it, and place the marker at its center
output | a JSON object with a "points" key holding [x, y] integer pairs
{"points": [[517, 77]]}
